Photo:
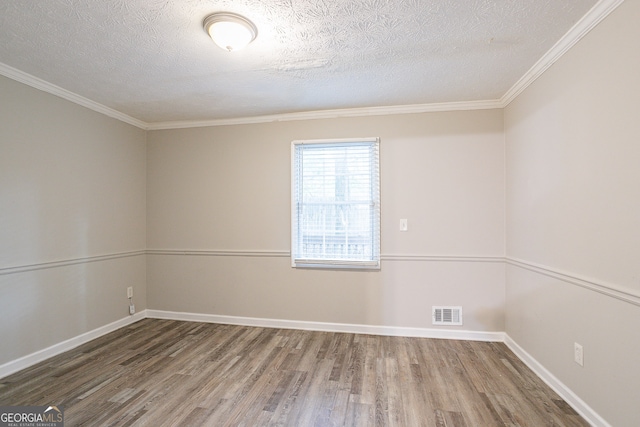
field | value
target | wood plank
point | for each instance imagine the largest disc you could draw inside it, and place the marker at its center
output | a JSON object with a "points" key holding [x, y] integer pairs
{"points": [[164, 372]]}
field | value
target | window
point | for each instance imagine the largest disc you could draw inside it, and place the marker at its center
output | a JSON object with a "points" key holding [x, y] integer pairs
{"points": [[335, 203]]}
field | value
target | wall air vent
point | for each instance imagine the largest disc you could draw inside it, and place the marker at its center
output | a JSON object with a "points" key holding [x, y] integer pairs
{"points": [[446, 315]]}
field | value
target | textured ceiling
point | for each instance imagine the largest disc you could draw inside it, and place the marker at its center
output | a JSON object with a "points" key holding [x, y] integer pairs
{"points": [[151, 59]]}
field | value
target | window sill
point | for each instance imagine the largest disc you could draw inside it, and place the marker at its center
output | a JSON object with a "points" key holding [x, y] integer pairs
{"points": [[335, 265]]}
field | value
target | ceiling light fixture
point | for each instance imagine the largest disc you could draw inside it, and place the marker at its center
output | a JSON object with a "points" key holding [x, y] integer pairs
{"points": [[230, 31]]}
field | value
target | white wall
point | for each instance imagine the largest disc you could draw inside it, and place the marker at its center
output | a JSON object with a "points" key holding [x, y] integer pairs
{"points": [[573, 217], [72, 187], [221, 190]]}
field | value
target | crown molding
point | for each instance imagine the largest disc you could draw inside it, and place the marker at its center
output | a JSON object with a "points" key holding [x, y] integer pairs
{"points": [[43, 85], [334, 114], [589, 21], [597, 13]]}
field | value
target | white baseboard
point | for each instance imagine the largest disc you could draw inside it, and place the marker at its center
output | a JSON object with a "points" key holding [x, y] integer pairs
{"points": [[558, 386], [41, 355], [330, 327], [563, 391]]}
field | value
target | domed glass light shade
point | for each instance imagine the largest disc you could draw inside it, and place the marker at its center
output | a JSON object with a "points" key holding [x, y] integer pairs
{"points": [[230, 31]]}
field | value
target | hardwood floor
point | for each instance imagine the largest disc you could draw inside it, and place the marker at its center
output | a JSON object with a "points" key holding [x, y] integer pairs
{"points": [[171, 373]]}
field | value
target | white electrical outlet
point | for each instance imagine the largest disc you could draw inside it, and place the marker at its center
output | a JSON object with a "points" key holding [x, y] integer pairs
{"points": [[132, 309], [130, 292], [578, 354], [404, 225]]}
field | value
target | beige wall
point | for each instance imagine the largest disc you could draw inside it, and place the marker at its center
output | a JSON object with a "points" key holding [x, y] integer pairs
{"points": [[573, 217], [76, 185], [228, 189], [72, 186]]}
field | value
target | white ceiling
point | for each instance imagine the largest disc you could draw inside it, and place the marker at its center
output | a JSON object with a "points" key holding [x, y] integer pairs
{"points": [[152, 61]]}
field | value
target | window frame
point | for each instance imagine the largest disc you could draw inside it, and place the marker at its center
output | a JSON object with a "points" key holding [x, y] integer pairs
{"points": [[374, 263]]}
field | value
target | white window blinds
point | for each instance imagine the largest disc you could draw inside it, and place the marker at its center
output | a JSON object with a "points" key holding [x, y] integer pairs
{"points": [[336, 203]]}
